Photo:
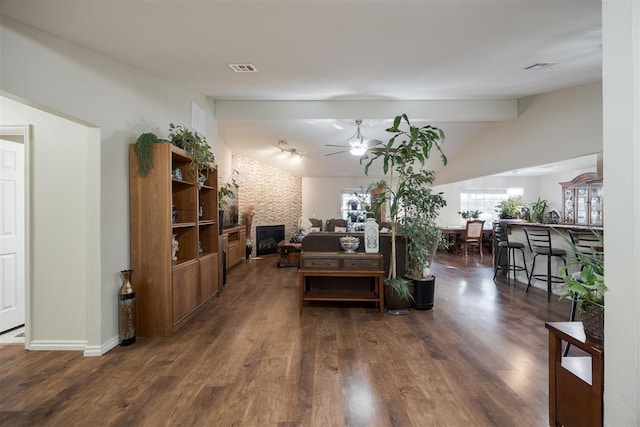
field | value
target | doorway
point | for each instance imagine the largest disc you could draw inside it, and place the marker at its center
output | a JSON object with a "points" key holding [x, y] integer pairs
{"points": [[14, 142]]}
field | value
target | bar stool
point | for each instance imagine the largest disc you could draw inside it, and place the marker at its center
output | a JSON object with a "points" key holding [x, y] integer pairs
{"points": [[539, 241], [501, 239]]}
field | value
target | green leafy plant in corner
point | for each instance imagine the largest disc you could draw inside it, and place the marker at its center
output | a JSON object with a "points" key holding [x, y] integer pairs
{"points": [[410, 200], [194, 144], [144, 152], [227, 192]]}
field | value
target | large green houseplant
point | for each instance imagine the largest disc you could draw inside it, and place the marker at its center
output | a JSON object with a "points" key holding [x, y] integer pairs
{"points": [[412, 204]]}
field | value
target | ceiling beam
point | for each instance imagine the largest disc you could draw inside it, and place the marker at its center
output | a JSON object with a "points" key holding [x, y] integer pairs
{"points": [[432, 110]]}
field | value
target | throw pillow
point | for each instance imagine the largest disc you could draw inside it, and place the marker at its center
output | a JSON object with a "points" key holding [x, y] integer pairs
{"points": [[340, 229], [314, 229]]}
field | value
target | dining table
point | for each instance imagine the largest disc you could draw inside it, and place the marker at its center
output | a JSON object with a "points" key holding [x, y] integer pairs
{"points": [[455, 236]]}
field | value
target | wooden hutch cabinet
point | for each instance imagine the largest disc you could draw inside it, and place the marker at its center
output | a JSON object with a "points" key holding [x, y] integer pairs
{"points": [[162, 208], [582, 202]]}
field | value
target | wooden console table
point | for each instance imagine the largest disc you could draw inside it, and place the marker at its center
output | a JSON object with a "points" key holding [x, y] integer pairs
{"points": [[341, 264], [575, 383]]}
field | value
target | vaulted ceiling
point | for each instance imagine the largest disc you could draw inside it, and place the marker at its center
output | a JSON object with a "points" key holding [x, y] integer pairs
{"points": [[323, 64]]}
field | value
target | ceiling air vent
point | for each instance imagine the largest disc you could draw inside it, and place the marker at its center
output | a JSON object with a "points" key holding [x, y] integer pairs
{"points": [[243, 68], [539, 65]]}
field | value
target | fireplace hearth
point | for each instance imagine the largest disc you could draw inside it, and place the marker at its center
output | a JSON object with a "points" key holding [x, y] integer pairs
{"points": [[267, 238]]}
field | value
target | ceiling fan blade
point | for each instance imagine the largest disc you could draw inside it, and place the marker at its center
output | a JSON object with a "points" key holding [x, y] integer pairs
{"points": [[334, 145], [337, 152], [374, 143]]}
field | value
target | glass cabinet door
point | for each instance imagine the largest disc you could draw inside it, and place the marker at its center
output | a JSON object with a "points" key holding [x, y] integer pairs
{"points": [[595, 214], [582, 205], [568, 206]]}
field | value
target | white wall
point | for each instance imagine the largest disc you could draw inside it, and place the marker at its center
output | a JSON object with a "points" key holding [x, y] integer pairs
{"points": [[559, 125], [64, 235], [321, 195], [621, 119], [124, 103]]}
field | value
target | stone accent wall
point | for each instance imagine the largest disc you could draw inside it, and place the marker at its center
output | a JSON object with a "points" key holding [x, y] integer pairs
{"points": [[275, 195]]}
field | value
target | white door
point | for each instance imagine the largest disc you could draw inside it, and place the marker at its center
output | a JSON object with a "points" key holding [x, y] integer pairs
{"points": [[12, 235]]}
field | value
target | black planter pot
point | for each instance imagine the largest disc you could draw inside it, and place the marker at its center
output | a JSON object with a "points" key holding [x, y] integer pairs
{"points": [[220, 219], [423, 293]]}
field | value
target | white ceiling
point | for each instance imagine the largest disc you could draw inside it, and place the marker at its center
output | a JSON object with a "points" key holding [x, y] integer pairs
{"points": [[447, 52]]}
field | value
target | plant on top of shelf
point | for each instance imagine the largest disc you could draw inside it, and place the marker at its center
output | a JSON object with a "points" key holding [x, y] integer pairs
{"points": [[470, 214], [412, 202], [226, 192], [194, 144], [144, 152]]}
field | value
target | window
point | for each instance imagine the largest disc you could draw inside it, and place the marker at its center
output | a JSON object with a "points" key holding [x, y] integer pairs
{"points": [[485, 200], [353, 205]]}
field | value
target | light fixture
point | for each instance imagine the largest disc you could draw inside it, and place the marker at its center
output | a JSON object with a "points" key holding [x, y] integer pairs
{"points": [[358, 151], [282, 145], [357, 140], [358, 146]]}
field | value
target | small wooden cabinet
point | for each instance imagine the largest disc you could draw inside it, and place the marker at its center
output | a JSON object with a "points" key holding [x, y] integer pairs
{"points": [[582, 200], [575, 383], [234, 243], [162, 208]]}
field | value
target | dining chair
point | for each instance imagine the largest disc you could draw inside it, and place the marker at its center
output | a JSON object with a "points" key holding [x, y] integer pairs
{"points": [[473, 236]]}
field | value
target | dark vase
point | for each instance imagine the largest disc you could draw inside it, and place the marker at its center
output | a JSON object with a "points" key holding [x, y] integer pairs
{"points": [[395, 304], [423, 293], [127, 310], [592, 317]]}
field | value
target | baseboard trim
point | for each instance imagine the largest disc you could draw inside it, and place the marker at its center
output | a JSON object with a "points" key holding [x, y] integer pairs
{"points": [[99, 350], [71, 345], [74, 345]]}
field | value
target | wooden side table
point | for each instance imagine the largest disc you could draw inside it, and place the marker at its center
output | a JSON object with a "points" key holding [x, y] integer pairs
{"points": [[575, 383], [289, 251]]}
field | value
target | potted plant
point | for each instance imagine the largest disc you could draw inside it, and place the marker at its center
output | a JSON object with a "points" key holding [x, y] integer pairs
{"points": [[226, 193], [538, 209], [469, 214], [411, 202], [510, 208], [144, 152], [587, 287], [197, 146]]}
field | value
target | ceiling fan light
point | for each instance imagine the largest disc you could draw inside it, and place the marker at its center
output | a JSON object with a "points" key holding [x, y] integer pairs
{"points": [[358, 150]]}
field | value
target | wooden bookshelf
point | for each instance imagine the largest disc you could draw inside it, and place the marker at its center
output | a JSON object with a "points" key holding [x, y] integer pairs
{"points": [[169, 291]]}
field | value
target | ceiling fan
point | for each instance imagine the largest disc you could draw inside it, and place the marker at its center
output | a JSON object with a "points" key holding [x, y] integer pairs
{"points": [[358, 145]]}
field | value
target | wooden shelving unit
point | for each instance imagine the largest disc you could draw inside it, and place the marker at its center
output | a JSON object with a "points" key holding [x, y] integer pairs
{"points": [[169, 291]]}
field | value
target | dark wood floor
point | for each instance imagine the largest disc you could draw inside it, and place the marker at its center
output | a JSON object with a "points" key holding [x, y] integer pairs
{"points": [[479, 358]]}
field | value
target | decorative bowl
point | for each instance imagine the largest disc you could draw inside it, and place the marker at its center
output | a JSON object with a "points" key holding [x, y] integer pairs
{"points": [[349, 244]]}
